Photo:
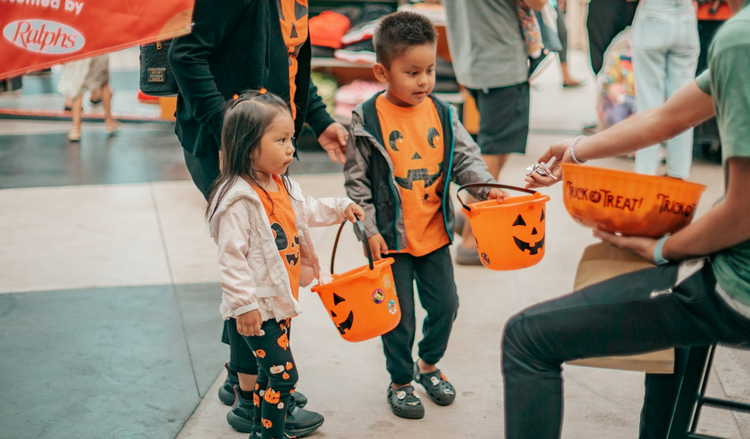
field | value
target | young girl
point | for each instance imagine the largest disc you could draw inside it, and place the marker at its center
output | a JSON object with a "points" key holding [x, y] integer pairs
{"points": [[259, 219]]}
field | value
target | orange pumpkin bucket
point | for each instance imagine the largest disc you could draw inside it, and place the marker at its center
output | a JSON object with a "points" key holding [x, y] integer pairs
{"points": [[510, 235], [362, 302]]}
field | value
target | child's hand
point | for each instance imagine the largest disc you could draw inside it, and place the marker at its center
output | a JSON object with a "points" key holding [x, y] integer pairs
{"points": [[248, 324], [378, 247], [354, 213], [497, 194]]}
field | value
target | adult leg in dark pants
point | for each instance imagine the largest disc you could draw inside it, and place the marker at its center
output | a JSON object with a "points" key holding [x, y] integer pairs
{"points": [[639, 312], [437, 294], [606, 19], [661, 397], [203, 170], [242, 369]]}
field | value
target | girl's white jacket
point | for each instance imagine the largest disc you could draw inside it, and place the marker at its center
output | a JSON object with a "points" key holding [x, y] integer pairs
{"points": [[251, 271]]}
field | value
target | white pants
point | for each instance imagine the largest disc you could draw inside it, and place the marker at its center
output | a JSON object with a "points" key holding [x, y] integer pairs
{"points": [[665, 55]]}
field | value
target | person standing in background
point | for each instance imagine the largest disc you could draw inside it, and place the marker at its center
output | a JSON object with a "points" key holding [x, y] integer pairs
{"points": [[78, 77], [562, 32], [491, 60], [665, 56], [606, 19]]}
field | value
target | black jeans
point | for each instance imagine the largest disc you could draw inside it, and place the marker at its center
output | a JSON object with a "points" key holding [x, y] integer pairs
{"points": [[635, 313], [437, 294], [204, 171], [241, 358]]}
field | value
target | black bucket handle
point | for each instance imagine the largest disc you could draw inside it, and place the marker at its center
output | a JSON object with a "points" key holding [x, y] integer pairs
{"points": [[359, 230], [497, 185]]}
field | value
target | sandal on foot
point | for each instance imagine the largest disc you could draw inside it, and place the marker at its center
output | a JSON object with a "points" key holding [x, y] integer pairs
{"points": [[112, 127], [405, 403], [74, 135], [440, 391]]}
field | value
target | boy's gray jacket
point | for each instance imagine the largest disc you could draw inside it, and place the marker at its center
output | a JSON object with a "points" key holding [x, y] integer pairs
{"points": [[370, 179]]}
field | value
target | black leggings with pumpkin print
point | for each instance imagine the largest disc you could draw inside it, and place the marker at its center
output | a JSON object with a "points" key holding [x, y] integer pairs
{"points": [[277, 378]]}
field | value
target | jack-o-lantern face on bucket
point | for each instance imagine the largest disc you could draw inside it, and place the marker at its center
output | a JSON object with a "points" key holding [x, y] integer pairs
{"points": [[530, 239], [412, 166], [501, 230], [362, 302], [342, 325]]}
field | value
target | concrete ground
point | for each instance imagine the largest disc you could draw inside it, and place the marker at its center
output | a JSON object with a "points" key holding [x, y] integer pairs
{"points": [[110, 325]]}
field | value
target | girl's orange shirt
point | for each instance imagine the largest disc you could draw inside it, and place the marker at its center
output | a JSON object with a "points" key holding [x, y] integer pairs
{"points": [[280, 215]]}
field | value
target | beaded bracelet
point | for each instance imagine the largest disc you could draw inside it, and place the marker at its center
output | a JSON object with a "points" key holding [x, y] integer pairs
{"points": [[573, 151]]}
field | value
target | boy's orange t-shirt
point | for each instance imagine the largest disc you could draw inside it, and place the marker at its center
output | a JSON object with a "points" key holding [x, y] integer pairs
{"points": [[413, 137], [281, 217], [293, 15]]}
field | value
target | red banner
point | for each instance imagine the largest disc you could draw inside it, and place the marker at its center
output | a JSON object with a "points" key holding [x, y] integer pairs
{"points": [[36, 34]]}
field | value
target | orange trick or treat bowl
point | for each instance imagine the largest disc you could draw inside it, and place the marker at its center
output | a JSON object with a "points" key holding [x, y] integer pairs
{"points": [[627, 203]]}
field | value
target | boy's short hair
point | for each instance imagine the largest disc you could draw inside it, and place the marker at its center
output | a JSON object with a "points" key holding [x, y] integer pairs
{"points": [[400, 31]]}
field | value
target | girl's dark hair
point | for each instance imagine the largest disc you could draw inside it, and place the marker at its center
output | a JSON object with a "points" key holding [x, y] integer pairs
{"points": [[246, 120]]}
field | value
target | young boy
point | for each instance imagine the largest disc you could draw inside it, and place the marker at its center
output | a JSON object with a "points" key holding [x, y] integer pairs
{"points": [[405, 146]]}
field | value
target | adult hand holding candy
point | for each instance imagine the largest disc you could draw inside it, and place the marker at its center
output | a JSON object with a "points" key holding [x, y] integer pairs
{"points": [[686, 108]]}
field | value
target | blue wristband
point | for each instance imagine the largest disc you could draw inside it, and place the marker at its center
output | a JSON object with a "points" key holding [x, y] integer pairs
{"points": [[658, 257]]}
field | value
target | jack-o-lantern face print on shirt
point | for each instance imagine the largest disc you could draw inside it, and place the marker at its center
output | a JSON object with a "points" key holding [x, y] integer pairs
{"points": [[414, 144], [294, 27], [413, 138], [287, 246], [293, 16], [280, 214], [417, 168]]}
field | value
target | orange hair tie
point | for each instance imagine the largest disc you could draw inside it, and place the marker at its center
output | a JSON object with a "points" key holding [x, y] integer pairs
{"points": [[263, 90], [235, 96]]}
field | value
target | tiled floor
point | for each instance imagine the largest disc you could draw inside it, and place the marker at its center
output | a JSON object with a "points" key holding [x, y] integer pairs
{"points": [[109, 324]]}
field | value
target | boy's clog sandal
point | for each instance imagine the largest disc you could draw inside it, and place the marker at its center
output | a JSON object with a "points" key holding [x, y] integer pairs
{"points": [[440, 391], [405, 403]]}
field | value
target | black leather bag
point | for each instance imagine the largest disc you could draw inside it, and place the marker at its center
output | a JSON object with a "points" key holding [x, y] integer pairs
{"points": [[157, 78]]}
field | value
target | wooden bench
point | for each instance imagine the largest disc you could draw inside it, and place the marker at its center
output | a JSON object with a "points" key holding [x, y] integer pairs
{"points": [[604, 261]]}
